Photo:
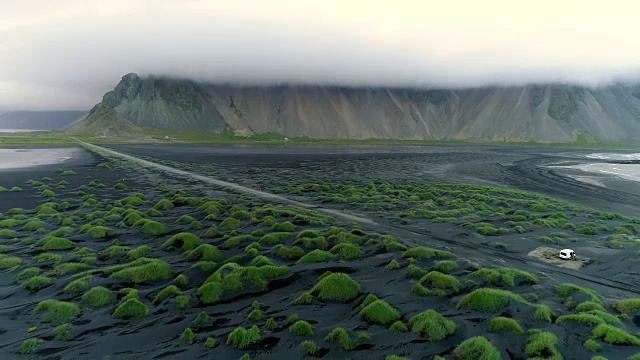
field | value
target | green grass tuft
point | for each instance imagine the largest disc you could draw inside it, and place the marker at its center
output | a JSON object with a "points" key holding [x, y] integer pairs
{"points": [[315, 256], [57, 312], [36, 283], [346, 251], [230, 224], [301, 328], [310, 347], [271, 324], [380, 312], [205, 252], [163, 205], [294, 253], [63, 332], [30, 346], [398, 327], [131, 308], [97, 297], [505, 276], [504, 325], [542, 344], [168, 291], [99, 232], [445, 266], [153, 228], [425, 253], [627, 306], [210, 343], [488, 300], [336, 287], [138, 252], [614, 335], [242, 338], [154, 270], [56, 243], [9, 262], [431, 325], [477, 348], [340, 335], [188, 336], [78, 286], [8, 234], [285, 226], [202, 320], [184, 240], [592, 345]]}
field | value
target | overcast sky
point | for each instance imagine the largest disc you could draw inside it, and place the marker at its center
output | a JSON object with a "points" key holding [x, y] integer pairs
{"points": [[65, 54]]}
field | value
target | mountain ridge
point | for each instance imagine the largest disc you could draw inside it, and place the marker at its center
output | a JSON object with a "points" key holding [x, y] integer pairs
{"points": [[537, 112]]}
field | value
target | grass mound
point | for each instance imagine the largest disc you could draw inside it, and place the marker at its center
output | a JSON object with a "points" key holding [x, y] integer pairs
{"points": [[315, 256], [398, 327], [614, 335], [442, 284], [425, 253], [184, 240], [380, 312], [56, 243], [627, 306], [57, 312], [230, 224], [8, 234], [542, 344], [274, 238], [36, 283], [163, 205], [301, 328], [488, 300], [567, 289], [336, 287], [504, 325], [78, 286], [131, 308], [232, 277], [205, 252], [30, 346], [431, 325], [505, 276], [9, 262], [477, 348], [99, 232], [153, 228], [153, 270], [346, 251], [97, 297], [168, 291], [341, 336], [445, 266], [242, 338]]}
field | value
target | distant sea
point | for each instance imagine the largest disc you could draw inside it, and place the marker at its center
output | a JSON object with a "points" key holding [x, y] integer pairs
{"points": [[18, 130]]}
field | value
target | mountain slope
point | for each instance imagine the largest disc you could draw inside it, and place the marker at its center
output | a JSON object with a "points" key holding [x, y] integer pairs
{"points": [[38, 120], [548, 113]]}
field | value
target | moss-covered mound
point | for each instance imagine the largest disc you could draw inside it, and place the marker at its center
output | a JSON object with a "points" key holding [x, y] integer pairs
{"points": [[336, 287]]}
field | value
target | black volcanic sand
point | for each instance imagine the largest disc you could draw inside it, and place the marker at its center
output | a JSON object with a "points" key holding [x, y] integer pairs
{"points": [[96, 333]]}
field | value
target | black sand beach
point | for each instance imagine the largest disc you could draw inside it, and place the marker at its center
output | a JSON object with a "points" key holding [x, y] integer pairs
{"points": [[96, 333]]}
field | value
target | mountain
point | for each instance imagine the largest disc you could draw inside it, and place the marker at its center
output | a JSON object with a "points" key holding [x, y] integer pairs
{"points": [[545, 112], [38, 120]]}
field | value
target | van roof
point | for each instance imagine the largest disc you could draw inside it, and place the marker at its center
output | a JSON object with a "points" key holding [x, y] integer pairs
{"points": [[566, 250]]}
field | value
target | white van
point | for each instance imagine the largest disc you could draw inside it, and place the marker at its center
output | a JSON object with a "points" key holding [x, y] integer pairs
{"points": [[567, 254]]}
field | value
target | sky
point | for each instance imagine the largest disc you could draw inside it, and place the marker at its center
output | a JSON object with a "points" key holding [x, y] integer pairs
{"points": [[65, 54]]}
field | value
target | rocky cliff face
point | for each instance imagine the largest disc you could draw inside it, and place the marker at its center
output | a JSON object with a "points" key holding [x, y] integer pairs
{"points": [[548, 113]]}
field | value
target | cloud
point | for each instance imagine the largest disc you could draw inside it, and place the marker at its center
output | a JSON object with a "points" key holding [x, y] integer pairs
{"points": [[66, 54]]}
